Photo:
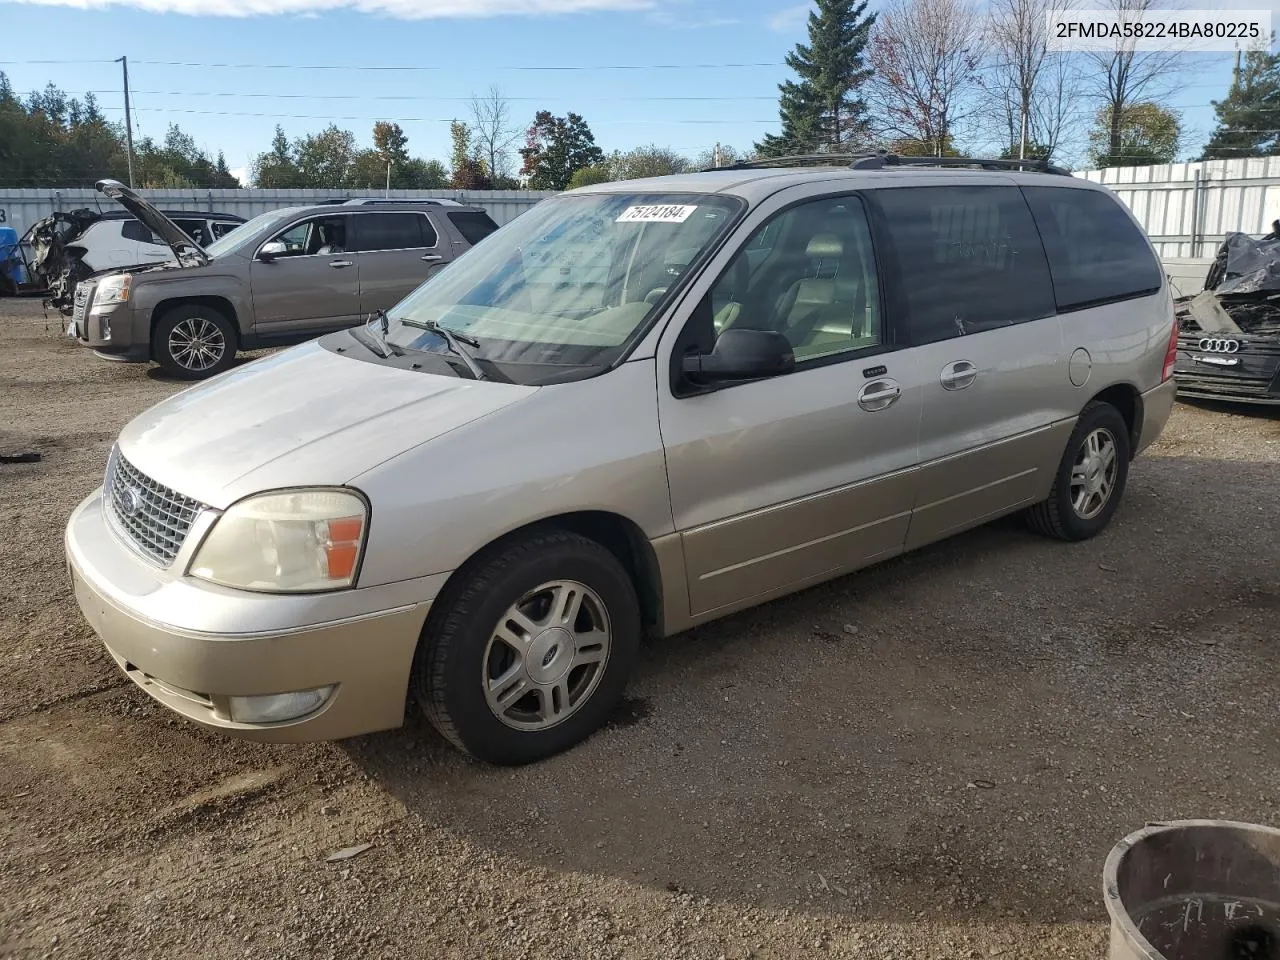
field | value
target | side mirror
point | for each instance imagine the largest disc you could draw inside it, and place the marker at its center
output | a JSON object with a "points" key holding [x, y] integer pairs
{"points": [[741, 354], [272, 250]]}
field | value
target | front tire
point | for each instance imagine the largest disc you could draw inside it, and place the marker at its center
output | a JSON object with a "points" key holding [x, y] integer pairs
{"points": [[1091, 477], [194, 342], [529, 652]]}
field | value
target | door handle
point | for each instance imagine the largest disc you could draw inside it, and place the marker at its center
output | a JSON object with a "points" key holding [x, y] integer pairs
{"points": [[958, 375], [432, 257], [339, 263], [878, 394]]}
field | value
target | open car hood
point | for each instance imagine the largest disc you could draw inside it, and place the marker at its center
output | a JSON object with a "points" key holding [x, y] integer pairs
{"points": [[186, 250]]}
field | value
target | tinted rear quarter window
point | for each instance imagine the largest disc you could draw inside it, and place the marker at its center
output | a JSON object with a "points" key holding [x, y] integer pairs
{"points": [[134, 230], [395, 231], [1096, 253], [968, 259], [473, 225]]}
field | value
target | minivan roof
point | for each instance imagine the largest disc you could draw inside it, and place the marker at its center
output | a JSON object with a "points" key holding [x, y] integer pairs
{"points": [[757, 183]]}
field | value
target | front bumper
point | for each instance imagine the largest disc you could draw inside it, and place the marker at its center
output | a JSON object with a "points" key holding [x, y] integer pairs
{"points": [[191, 646], [108, 330], [1248, 370]]}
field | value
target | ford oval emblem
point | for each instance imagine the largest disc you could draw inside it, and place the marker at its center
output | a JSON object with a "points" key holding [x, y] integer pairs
{"points": [[130, 502]]}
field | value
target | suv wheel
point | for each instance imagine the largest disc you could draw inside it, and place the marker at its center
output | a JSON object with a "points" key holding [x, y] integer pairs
{"points": [[194, 341], [1091, 477], [532, 649]]}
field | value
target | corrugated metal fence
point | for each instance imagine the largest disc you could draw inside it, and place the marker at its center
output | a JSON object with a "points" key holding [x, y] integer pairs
{"points": [[1189, 208], [21, 208]]}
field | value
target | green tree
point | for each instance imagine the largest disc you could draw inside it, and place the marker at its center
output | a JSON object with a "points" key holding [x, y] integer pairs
{"points": [[419, 174], [825, 109], [325, 159], [468, 171], [1148, 134], [556, 148], [278, 167], [650, 161], [586, 176], [1249, 116]]}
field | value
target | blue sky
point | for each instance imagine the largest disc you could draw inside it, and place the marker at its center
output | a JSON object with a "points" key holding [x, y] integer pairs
{"points": [[470, 44]]}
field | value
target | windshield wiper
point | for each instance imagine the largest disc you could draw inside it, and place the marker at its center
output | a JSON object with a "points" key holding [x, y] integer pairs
{"points": [[455, 341]]}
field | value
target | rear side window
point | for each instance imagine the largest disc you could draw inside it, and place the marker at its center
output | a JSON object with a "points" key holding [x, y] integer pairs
{"points": [[395, 231], [134, 230], [1096, 253], [968, 257], [473, 225]]}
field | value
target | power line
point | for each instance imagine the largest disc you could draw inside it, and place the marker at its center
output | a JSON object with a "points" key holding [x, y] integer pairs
{"points": [[382, 68], [327, 116], [402, 97]]}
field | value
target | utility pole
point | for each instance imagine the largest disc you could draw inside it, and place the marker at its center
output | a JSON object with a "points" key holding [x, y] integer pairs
{"points": [[388, 178], [128, 118], [1022, 150]]}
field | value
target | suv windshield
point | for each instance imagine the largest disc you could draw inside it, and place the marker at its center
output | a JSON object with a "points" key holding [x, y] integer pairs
{"points": [[563, 291], [229, 241]]}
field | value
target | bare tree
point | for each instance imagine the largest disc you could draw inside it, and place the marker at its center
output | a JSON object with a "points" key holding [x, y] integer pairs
{"points": [[1028, 84], [925, 55], [493, 134], [1122, 77]]}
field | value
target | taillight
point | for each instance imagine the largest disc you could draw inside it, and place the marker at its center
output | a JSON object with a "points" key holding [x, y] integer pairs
{"points": [[1171, 355]]}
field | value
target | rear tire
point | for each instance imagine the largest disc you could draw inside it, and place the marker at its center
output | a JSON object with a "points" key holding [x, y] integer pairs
{"points": [[529, 652], [1091, 477], [194, 342]]}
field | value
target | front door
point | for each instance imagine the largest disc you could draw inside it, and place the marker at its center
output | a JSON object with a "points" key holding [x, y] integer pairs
{"points": [[312, 284], [784, 481], [972, 287], [398, 251]]}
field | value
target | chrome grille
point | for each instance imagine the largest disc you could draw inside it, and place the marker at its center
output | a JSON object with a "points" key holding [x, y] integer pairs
{"points": [[154, 518], [81, 305]]}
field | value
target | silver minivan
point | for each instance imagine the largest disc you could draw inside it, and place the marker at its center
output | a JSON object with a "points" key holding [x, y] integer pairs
{"points": [[638, 407]]}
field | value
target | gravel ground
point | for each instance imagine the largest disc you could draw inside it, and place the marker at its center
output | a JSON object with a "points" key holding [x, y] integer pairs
{"points": [[931, 758]]}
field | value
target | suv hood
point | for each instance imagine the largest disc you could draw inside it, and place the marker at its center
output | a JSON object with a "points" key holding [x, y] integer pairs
{"points": [[303, 417], [187, 251]]}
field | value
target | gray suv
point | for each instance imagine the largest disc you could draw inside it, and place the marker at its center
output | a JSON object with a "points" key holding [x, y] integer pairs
{"points": [[280, 278], [637, 408]]}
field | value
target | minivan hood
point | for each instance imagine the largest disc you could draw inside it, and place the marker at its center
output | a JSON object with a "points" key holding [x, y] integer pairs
{"points": [[183, 247], [302, 417]]}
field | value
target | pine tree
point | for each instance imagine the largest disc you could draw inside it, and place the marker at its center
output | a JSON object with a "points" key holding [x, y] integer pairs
{"points": [[824, 110], [1249, 116]]}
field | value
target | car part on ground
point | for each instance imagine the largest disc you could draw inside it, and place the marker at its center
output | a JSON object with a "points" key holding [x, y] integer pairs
{"points": [[1229, 341], [1194, 890]]}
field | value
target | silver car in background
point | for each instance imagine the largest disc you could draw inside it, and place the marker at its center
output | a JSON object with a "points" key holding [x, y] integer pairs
{"points": [[639, 407], [285, 276]]}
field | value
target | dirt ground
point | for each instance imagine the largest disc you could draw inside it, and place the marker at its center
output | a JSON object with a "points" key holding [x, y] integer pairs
{"points": [[928, 759]]}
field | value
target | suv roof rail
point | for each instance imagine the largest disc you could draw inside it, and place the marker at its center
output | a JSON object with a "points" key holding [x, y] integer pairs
{"points": [[430, 201], [878, 161]]}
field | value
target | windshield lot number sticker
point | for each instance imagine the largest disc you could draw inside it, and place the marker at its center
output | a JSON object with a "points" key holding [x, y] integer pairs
{"points": [[657, 213]]}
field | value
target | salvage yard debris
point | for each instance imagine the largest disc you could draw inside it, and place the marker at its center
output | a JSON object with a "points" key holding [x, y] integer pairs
{"points": [[1242, 290]]}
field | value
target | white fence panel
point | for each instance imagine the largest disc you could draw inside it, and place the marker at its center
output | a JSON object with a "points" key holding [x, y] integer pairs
{"points": [[1188, 208]]}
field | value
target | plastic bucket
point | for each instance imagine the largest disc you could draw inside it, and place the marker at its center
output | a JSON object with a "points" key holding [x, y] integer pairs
{"points": [[1195, 890]]}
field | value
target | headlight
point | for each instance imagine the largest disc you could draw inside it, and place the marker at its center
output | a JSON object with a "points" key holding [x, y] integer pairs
{"points": [[296, 541], [113, 289]]}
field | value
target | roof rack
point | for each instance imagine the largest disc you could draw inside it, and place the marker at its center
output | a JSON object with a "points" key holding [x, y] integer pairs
{"points": [[878, 161]]}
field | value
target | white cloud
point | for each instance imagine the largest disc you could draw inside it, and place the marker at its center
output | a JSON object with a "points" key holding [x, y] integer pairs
{"points": [[241, 174], [396, 9], [790, 19]]}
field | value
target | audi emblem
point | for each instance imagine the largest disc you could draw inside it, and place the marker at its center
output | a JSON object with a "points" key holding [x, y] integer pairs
{"points": [[1216, 345]]}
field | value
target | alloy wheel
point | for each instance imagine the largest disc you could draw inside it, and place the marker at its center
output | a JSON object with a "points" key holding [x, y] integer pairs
{"points": [[546, 655]]}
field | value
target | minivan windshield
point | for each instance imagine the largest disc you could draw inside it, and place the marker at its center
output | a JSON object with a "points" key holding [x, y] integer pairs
{"points": [[562, 291], [229, 241]]}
